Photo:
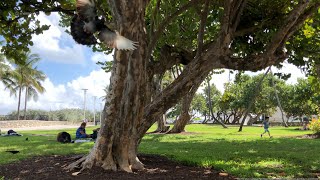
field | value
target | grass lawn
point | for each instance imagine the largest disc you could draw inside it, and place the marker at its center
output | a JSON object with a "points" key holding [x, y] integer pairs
{"points": [[242, 154]]}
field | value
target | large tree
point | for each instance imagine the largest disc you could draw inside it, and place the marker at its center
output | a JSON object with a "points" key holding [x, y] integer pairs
{"points": [[33, 79], [299, 99], [201, 34], [26, 77]]}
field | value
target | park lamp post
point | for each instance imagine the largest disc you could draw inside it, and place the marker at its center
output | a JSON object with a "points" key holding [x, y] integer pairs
{"points": [[94, 110], [84, 103]]}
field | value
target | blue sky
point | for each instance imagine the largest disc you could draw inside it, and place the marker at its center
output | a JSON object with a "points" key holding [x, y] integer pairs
{"points": [[70, 67]]}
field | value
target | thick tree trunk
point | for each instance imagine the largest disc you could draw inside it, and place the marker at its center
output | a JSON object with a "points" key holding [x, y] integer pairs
{"points": [[161, 122], [181, 123], [253, 119], [185, 117], [118, 138], [161, 125]]}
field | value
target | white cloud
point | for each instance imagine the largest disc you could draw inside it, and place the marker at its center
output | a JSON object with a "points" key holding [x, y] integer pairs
{"points": [[95, 83], [67, 95], [295, 72], [7, 103], [48, 45], [101, 57]]}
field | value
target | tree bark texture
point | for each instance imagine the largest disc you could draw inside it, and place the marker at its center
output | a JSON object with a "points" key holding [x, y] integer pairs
{"points": [[185, 117], [161, 125]]}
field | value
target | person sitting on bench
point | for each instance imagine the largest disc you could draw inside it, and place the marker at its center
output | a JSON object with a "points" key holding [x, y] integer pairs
{"points": [[81, 131]]}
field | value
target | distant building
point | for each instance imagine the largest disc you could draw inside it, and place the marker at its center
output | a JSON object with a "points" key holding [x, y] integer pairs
{"points": [[277, 116]]}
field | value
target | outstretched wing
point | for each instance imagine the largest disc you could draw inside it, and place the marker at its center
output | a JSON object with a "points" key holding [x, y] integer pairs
{"points": [[115, 40]]}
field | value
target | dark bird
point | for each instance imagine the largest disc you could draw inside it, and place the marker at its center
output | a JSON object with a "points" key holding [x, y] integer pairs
{"points": [[86, 23], [27, 139], [13, 151], [78, 33]]}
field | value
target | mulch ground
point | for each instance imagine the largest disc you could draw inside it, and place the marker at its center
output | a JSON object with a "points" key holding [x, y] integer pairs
{"points": [[156, 167], [310, 136]]}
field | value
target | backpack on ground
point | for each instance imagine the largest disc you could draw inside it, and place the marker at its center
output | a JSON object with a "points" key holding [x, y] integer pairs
{"points": [[64, 137]]}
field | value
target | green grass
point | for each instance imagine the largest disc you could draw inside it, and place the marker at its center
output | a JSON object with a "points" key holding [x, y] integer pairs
{"points": [[242, 154]]}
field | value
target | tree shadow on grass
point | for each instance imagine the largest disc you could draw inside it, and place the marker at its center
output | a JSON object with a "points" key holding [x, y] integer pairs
{"points": [[276, 157]]}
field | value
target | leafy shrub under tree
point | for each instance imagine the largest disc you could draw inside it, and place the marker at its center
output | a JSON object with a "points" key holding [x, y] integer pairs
{"points": [[315, 125]]}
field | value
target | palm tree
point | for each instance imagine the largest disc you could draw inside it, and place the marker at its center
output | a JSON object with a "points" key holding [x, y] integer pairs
{"points": [[106, 91], [28, 77], [6, 73], [33, 86]]}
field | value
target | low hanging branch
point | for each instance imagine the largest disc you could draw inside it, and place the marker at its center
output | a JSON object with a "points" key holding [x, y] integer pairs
{"points": [[284, 32], [203, 21]]}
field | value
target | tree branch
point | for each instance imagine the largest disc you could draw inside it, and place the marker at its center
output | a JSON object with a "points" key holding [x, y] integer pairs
{"points": [[170, 56], [244, 31], [288, 24], [274, 52], [37, 10], [166, 21], [203, 21], [237, 12], [155, 12], [300, 21]]}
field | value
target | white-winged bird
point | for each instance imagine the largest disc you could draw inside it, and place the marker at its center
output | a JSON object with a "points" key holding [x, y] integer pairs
{"points": [[86, 22]]}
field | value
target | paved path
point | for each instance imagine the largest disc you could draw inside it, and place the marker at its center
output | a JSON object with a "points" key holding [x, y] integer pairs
{"points": [[37, 125], [54, 127]]}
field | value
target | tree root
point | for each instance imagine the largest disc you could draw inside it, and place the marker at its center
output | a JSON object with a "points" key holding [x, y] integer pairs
{"points": [[76, 165]]}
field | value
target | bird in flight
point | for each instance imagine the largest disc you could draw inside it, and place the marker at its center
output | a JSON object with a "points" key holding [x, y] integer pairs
{"points": [[86, 23]]}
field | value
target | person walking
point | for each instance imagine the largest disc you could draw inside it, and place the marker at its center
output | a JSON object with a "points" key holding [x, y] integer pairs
{"points": [[266, 125]]}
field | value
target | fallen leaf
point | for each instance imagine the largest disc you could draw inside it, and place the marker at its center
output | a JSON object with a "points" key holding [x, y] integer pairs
{"points": [[223, 174], [75, 173]]}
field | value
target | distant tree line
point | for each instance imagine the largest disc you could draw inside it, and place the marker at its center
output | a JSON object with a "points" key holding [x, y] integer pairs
{"points": [[72, 115], [297, 100]]}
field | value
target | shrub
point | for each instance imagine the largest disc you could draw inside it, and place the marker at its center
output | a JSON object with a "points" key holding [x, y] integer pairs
{"points": [[315, 125]]}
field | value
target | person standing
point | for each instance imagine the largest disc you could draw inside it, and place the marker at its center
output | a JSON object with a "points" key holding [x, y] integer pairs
{"points": [[266, 125]]}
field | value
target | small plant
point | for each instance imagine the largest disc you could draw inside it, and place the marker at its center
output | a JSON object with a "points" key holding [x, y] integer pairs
{"points": [[315, 125]]}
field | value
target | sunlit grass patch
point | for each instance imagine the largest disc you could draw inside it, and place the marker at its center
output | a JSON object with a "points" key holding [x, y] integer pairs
{"points": [[242, 154], [271, 163]]}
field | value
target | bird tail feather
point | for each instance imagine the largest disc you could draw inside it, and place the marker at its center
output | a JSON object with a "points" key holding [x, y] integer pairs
{"points": [[123, 43]]}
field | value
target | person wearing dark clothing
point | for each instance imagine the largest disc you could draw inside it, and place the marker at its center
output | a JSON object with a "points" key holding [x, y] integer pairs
{"points": [[81, 131]]}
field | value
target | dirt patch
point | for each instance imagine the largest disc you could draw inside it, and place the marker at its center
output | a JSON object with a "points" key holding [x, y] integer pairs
{"points": [[156, 167], [310, 136], [182, 133]]}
